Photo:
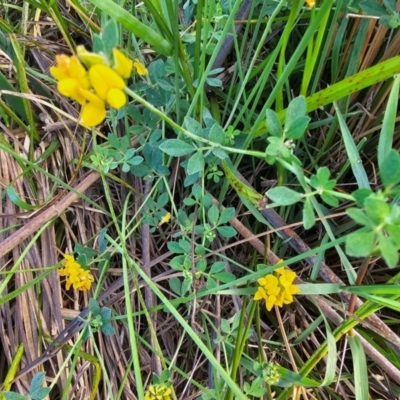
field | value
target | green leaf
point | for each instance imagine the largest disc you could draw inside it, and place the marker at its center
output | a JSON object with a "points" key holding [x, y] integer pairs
{"points": [[213, 214], [176, 147], [110, 36], [217, 267], [94, 306], [37, 381], [372, 8], [211, 283], [13, 396], [323, 175], [226, 231], [197, 191], [201, 265], [185, 245], [308, 214], [175, 285], [359, 367], [196, 163], [224, 277], [284, 196], [330, 199], [360, 195], [394, 233], [274, 123], [359, 216], [144, 32], [13, 196], [221, 154], [105, 314], [297, 128], [107, 329], [297, 108], [390, 169], [175, 248], [388, 250], [352, 152], [360, 244], [217, 134], [319, 288], [226, 215], [193, 126], [376, 209], [39, 393]]}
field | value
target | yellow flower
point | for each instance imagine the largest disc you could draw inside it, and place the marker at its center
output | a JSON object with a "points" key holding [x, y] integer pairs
{"points": [[94, 87], [165, 219], [277, 288], [158, 392], [108, 85], [310, 3], [76, 276], [140, 68], [72, 77], [122, 64]]}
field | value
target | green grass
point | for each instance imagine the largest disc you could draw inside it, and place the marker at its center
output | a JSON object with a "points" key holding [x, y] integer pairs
{"points": [[285, 156]]}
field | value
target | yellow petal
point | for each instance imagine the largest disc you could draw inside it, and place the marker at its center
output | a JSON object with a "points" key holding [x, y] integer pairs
{"points": [[271, 282], [103, 79], [260, 294], [270, 302], [122, 64], [90, 58], [262, 281], [116, 98], [76, 69], [293, 289], [71, 88], [92, 114], [140, 68]]}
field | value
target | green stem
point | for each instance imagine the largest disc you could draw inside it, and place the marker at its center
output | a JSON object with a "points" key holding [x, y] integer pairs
{"points": [[176, 126]]}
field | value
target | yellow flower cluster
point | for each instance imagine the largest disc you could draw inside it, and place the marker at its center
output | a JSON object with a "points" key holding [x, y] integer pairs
{"points": [[94, 83], [277, 288], [158, 392], [310, 3], [75, 275]]}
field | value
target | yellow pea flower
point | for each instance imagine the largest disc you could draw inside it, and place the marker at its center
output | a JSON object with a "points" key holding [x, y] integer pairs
{"points": [[158, 392], [76, 276], [277, 288], [94, 86], [72, 77]]}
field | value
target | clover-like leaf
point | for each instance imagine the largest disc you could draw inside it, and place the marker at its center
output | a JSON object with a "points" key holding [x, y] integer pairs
{"points": [[360, 244]]}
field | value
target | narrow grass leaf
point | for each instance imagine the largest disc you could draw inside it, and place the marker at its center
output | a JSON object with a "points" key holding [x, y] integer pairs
{"points": [[388, 124], [382, 301], [374, 289], [135, 26], [352, 153], [360, 368], [319, 288], [13, 196]]}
